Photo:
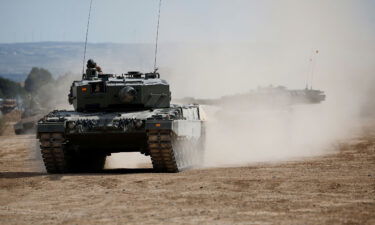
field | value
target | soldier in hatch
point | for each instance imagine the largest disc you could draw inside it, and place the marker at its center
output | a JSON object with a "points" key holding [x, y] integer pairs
{"points": [[92, 70], [91, 64]]}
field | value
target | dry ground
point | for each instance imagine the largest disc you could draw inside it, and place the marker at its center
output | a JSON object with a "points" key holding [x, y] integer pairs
{"points": [[332, 189]]}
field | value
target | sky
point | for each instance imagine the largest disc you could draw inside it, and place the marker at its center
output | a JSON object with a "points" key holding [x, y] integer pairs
{"points": [[130, 21], [256, 42]]}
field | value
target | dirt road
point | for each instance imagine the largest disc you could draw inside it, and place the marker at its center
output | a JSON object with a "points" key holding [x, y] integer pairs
{"points": [[332, 189]]}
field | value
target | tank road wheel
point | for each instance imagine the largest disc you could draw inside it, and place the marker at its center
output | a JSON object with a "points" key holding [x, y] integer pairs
{"points": [[56, 158], [173, 154]]}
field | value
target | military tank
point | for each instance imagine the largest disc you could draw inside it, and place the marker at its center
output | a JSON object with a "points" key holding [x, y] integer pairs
{"points": [[263, 96], [26, 125], [32, 112], [121, 113]]}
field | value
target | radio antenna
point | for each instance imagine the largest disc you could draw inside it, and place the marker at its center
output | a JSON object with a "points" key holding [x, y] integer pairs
{"points": [[313, 68], [309, 69], [87, 34], [157, 38]]}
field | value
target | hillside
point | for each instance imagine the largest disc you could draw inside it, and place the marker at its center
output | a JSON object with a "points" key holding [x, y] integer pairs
{"points": [[16, 60]]}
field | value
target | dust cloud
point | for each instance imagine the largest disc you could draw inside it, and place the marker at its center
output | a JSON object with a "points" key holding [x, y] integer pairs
{"points": [[269, 135], [127, 160], [275, 49], [279, 54]]}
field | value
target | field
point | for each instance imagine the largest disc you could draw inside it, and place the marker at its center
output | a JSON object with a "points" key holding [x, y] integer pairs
{"points": [[338, 188]]}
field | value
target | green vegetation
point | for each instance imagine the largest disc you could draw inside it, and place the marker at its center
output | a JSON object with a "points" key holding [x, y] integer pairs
{"points": [[37, 79], [10, 89], [40, 92]]}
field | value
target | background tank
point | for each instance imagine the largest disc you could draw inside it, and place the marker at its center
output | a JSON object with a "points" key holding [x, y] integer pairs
{"points": [[32, 111], [127, 113], [27, 124], [265, 96]]}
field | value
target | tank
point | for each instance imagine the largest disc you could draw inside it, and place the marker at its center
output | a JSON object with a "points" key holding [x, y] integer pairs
{"points": [[26, 125], [32, 111], [264, 96], [121, 113]]}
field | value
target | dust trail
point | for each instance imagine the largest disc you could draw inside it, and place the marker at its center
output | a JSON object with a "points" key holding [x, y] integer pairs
{"points": [[278, 53], [269, 135]]}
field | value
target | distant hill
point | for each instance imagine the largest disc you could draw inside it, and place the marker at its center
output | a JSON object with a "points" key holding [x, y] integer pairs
{"points": [[16, 60]]}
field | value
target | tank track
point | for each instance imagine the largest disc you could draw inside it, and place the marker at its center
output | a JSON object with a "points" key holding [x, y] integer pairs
{"points": [[172, 154], [161, 151], [55, 157], [58, 158]]}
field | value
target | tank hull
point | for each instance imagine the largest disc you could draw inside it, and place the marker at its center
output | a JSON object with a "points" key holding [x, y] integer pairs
{"points": [[158, 133]]}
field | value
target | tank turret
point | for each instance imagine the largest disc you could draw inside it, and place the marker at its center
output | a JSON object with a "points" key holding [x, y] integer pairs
{"points": [[108, 92]]}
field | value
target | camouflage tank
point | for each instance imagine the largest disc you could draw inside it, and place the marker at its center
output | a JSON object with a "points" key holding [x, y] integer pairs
{"points": [[127, 113], [32, 112], [26, 125]]}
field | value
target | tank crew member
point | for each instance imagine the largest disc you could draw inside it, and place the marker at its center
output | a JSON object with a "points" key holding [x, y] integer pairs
{"points": [[91, 64]]}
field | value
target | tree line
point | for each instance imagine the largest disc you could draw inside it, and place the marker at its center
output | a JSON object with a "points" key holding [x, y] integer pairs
{"points": [[39, 91]]}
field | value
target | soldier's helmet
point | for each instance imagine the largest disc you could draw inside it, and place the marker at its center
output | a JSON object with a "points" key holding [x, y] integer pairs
{"points": [[91, 63]]}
